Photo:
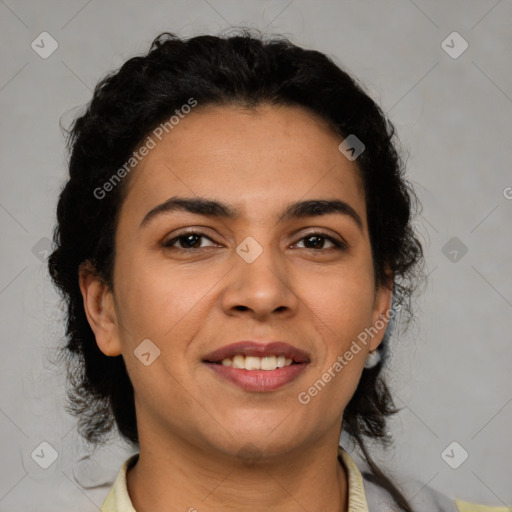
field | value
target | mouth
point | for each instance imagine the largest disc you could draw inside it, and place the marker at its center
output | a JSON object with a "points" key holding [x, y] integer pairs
{"points": [[257, 367]]}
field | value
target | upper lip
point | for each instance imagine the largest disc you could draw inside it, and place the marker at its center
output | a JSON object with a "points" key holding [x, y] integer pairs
{"points": [[252, 348]]}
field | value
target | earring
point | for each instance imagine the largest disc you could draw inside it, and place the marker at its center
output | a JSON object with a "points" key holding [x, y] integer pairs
{"points": [[372, 359]]}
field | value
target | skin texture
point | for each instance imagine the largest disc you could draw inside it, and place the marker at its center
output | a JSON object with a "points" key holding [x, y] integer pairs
{"points": [[193, 426]]}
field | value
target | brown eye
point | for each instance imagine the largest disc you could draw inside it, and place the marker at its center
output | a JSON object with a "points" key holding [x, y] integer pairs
{"points": [[190, 240], [316, 241]]}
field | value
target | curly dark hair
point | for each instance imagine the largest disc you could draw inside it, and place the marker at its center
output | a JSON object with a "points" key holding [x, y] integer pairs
{"points": [[244, 69]]}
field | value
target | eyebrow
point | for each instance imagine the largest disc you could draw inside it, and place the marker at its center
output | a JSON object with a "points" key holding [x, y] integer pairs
{"points": [[212, 208]]}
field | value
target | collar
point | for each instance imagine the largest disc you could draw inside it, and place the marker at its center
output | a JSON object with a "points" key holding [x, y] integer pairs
{"points": [[118, 499]]}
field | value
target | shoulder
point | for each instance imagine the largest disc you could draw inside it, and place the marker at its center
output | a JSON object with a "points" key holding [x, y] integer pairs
{"points": [[371, 497], [429, 500]]}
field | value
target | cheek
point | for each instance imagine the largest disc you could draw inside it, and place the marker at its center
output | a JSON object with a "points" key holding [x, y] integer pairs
{"points": [[344, 301], [161, 302], [346, 309], [145, 297]]}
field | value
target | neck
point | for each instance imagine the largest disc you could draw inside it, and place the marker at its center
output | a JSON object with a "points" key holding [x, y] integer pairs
{"points": [[175, 476]]}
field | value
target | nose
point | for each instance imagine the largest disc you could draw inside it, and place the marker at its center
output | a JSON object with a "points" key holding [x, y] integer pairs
{"points": [[259, 287]]}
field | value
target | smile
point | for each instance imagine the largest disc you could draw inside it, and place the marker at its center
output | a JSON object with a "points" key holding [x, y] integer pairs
{"points": [[258, 380], [258, 368], [267, 363]]}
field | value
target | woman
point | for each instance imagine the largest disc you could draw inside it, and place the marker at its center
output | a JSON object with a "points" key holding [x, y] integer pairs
{"points": [[234, 243]]}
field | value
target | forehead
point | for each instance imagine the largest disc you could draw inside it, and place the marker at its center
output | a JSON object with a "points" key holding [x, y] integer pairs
{"points": [[255, 157]]}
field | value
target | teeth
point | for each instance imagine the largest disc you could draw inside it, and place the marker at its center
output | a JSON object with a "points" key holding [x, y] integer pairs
{"points": [[280, 361], [238, 362], [252, 363], [257, 363], [269, 363]]}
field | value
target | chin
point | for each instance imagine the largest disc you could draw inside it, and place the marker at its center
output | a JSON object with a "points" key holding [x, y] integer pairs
{"points": [[249, 443]]}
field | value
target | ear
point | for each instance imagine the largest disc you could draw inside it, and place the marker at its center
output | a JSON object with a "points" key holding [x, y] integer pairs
{"points": [[99, 309], [381, 311]]}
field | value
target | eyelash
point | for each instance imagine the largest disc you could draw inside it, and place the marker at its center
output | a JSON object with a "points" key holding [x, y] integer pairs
{"points": [[337, 244]]}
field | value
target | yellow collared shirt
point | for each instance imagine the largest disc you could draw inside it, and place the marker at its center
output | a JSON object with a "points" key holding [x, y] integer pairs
{"points": [[360, 493]]}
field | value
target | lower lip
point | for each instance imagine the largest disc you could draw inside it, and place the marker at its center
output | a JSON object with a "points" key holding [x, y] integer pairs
{"points": [[259, 380]]}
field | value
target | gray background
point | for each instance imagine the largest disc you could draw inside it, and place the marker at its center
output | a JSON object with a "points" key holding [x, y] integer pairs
{"points": [[450, 372]]}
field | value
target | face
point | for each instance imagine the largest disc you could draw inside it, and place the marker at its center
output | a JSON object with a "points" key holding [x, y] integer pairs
{"points": [[194, 280]]}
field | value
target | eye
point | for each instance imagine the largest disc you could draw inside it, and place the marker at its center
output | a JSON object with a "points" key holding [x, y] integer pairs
{"points": [[188, 240], [316, 239], [191, 241]]}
